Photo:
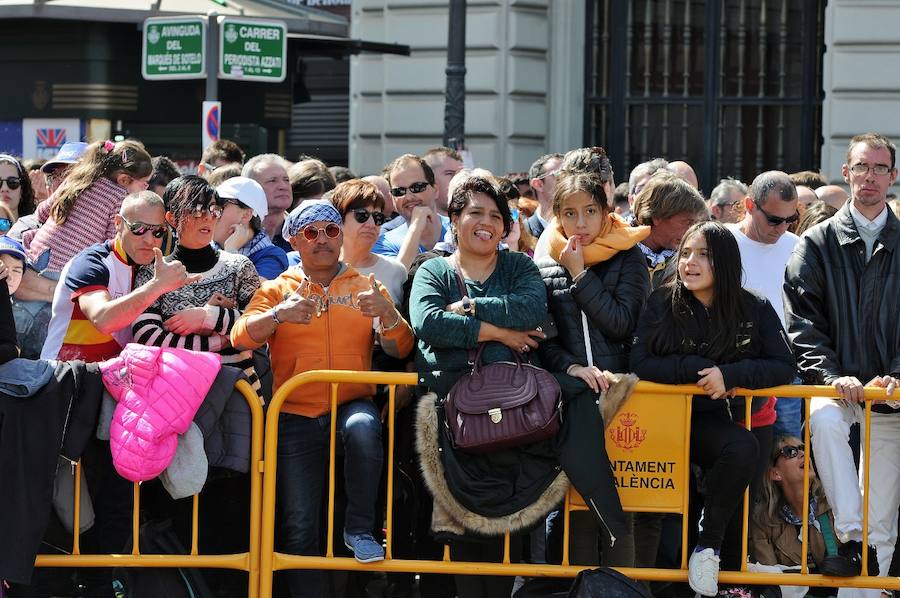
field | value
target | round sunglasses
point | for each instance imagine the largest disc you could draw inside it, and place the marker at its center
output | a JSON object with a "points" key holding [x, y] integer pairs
{"points": [[311, 232], [13, 182], [362, 216]]}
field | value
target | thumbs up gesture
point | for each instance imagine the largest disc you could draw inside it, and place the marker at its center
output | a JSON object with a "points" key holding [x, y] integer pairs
{"points": [[296, 307], [372, 303], [170, 276]]}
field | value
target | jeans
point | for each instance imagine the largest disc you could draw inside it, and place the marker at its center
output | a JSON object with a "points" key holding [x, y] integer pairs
{"points": [[789, 415], [303, 476]]}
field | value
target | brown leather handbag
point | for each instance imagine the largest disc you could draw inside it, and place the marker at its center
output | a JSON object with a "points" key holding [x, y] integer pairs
{"points": [[502, 404]]}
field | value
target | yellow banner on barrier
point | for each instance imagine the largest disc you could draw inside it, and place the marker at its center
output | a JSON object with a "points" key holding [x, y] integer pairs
{"points": [[646, 443]]}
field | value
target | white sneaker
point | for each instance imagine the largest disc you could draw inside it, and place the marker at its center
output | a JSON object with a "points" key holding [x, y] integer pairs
{"points": [[703, 572]]}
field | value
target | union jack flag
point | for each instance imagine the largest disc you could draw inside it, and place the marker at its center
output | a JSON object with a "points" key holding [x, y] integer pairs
{"points": [[50, 138]]}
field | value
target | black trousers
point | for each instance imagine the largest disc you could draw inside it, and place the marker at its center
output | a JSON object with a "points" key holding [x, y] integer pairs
{"points": [[487, 550], [729, 454]]}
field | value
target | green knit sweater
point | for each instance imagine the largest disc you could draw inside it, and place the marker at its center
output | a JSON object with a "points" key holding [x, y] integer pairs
{"points": [[513, 296]]}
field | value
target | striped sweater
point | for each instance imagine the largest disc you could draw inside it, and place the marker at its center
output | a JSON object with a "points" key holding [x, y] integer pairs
{"points": [[91, 221], [234, 277]]}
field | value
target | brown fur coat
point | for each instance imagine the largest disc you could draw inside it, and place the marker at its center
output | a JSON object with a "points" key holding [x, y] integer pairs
{"points": [[450, 516]]}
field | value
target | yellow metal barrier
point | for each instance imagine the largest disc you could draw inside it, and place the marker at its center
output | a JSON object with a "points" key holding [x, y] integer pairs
{"points": [[246, 561], [668, 425]]}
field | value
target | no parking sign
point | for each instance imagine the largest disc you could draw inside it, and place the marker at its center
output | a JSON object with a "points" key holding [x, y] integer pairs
{"points": [[211, 122]]}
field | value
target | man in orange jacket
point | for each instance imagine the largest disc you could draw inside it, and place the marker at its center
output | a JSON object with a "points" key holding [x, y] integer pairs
{"points": [[325, 316]]}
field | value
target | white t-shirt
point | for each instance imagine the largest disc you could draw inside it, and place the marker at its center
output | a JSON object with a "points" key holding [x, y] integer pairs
{"points": [[764, 265], [390, 273]]}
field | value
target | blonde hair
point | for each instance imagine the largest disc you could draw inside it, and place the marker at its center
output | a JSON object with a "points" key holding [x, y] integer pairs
{"points": [[100, 159], [770, 497]]}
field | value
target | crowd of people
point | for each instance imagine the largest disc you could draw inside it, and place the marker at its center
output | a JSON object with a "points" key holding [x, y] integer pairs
{"points": [[281, 268]]}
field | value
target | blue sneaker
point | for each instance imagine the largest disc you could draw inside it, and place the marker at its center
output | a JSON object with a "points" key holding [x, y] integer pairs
{"points": [[364, 547]]}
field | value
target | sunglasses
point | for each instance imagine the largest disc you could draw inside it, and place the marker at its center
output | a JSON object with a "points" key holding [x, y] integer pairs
{"points": [[311, 233], [13, 182], [139, 228], [414, 188], [777, 220], [5, 224], [201, 212], [224, 201], [789, 452], [362, 216]]}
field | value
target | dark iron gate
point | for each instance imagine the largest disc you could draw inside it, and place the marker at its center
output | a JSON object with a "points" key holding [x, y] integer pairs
{"points": [[731, 86]]}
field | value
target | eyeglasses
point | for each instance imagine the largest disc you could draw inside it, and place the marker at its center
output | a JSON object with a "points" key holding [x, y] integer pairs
{"points": [[362, 216], [514, 214], [139, 228], [414, 188], [201, 212], [878, 169], [311, 233], [5, 224], [789, 452], [13, 182], [224, 201], [777, 220]]}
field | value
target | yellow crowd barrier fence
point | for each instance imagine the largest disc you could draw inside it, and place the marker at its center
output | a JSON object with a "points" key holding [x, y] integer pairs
{"points": [[246, 561], [648, 446]]}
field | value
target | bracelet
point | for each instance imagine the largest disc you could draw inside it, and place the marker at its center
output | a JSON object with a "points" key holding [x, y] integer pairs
{"points": [[274, 315], [392, 326]]}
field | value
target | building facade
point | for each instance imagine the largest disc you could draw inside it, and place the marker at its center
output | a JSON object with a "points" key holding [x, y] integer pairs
{"points": [[733, 87]]}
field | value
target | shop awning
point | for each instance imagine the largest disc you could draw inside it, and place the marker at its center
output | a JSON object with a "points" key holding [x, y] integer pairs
{"points": [[299, 19]]}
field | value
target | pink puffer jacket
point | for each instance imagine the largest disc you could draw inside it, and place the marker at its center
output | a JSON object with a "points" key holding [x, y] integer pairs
{"points": [[158, 390]]}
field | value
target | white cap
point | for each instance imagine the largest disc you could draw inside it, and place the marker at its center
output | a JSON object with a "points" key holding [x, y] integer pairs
{"points": [[247, 191]]}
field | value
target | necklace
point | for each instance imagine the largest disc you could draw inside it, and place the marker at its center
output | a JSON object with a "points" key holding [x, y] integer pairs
{"points": [[485, 273]]}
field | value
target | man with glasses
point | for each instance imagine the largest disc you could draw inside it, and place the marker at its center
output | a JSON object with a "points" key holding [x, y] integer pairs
{"points": [[543, 181], [726, 202], [770, 207], [326, 316], [219, 153], [415, 195], [95, 305], [841, 307]]}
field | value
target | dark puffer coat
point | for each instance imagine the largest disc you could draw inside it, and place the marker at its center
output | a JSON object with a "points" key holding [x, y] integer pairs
{"points": [[611, 294]]}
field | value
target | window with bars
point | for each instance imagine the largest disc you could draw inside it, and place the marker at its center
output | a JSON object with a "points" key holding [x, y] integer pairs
{"points": [[733, 86]]}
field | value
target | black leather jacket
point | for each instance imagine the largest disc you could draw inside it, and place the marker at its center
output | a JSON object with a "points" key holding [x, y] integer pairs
{"points": [[611, 295], [843, 314]]}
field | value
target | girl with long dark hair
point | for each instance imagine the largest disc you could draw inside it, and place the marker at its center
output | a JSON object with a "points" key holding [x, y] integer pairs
{"points": [[705, 329]]}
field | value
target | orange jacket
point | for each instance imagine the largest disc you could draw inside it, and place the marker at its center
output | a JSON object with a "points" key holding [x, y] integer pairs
{"points": [[339, 338]]}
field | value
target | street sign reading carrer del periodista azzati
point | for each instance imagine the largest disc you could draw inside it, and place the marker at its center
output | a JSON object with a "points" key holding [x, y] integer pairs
{"points": [[252, 50]]}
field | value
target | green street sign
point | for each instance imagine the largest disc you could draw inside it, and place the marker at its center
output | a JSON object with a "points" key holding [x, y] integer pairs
{"points": [[252, 50], [173, 48]]}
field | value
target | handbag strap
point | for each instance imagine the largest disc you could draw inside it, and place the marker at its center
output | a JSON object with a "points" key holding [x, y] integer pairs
{"points": [[587, 340], [474, 354]]}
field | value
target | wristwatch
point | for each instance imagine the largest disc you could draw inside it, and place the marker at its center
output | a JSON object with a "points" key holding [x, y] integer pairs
{"points": [[274, 315], [468, 306]]}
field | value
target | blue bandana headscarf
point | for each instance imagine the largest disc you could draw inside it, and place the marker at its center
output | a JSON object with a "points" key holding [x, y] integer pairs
{"points": [[313, 210]]}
